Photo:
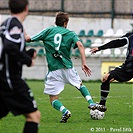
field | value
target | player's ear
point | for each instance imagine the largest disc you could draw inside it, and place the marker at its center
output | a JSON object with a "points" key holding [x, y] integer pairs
{"points": [[65, 24], [26, 9]]}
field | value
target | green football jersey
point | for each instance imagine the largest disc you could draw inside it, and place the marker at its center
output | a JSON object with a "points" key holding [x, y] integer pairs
{"points": [[58, 42]]}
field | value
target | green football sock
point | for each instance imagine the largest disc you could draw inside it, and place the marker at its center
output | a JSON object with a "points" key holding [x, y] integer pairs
{"points": [[59, 106], [84, 91]]}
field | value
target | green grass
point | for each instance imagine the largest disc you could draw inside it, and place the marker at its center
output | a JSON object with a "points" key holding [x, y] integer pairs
{"points": [[118, 117]]}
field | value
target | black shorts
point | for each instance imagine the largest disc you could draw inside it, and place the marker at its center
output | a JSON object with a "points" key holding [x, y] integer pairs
{"points": [[18, 100], [121, 75]]}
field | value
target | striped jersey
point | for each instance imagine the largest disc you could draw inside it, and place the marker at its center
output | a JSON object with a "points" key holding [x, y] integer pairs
{"points": [[58, 42], [14, 53]]}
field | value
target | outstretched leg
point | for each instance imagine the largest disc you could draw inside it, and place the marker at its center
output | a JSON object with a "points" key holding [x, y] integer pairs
{"points": [[84, 91], [59, 106], [105, 88]]}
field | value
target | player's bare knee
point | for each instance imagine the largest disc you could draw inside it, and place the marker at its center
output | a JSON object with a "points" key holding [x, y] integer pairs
{"points": [[38, 115], [34, 116], [52, 98]]}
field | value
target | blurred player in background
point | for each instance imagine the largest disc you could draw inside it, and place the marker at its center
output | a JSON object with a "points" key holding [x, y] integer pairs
{"points": [[58, 42], [15, 95], [122, 73]]}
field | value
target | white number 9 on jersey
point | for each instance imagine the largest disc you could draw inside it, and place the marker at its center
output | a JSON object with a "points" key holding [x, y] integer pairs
{"points": [[57, 41]]}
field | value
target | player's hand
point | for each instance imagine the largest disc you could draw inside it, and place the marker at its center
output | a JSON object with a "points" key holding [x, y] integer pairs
{"points": [[27, 37], [94, 50], [106, 77], [86, 70], [33, 63], [34, 55]]}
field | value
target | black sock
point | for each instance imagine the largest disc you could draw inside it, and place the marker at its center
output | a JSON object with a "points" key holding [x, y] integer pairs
{"points": [[30, 127], [104, 92]]}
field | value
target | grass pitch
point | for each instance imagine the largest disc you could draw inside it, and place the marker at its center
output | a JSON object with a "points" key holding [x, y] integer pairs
{"points": [[118, 118]]}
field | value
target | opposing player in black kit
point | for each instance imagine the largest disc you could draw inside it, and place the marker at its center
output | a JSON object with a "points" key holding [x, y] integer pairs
{"points": [[15, 95], [122, 73]]}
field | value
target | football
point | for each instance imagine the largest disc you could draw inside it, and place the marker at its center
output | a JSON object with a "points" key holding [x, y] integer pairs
{"points": [[96, 114]]}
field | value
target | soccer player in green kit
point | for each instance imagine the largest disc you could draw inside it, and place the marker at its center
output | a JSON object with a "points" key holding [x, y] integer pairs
{"points": [[58, 42]]}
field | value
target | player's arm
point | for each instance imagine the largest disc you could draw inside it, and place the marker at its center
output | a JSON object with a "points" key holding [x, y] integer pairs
{"points": [[12, 49], [13, 44], [112, 44], [85, 68], [38, 37]]}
